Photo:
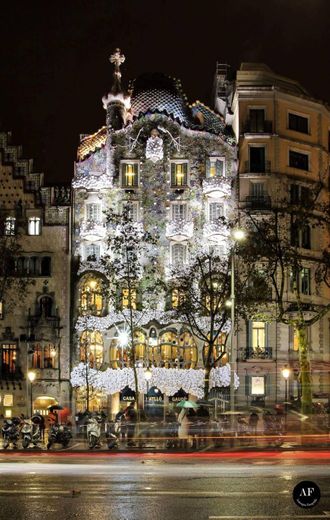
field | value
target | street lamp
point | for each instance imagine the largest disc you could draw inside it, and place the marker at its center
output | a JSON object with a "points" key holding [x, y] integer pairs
{"points": [[286, 374], [237, 235], [31, 376], [147, 375]]}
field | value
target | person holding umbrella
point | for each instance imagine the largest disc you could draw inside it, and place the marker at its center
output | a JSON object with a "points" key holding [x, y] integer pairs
{"points": [[183, 420]]}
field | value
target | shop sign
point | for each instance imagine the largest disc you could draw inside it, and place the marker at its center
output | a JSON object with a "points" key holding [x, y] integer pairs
{"points": [[178, 396], [154, 396], [8, 400], [127, 395]]}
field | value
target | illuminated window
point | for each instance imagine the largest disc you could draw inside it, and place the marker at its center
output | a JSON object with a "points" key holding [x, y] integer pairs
{"points": [[92, 251], [91, 295], [10, 226], [129, 175], [258, 335], [215, 167], [128, 298], [169, 348], [37, 356], [188, 352], [179, 253], [93, 212], [91, 348], [177, 298], [179, 211], [1, 310], [179, 174], [8, 358], [34, 226], [49, 356], [215, 211]]}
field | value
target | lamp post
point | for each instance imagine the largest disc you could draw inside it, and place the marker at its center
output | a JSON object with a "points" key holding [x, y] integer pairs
{"points": [[237, 235], [147, 375], [286, 374], [31, 376]]}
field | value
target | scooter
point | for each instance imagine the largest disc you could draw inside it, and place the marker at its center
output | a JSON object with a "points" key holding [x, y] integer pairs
{"points": [[94, 432], [30, 432], [59, 434], [10, 432]]}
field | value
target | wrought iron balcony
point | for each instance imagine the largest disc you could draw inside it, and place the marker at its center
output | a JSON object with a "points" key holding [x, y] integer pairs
{"points": [[92, 230], [262, 127], [180, 229], [257, 167], [217, 186], [258, 202], [257, 353]]}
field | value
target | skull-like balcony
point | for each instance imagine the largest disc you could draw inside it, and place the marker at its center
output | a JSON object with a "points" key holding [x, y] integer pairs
{"points": [[215, 230], [217, 187], [179, 229], [93, 231]]}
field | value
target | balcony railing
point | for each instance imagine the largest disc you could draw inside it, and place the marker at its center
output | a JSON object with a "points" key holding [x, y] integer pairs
{"points": [[258, 202], [91, 230], [263, 127], [217, 186], [257, 353], [180, 229], [257, 167], [216, 228]]}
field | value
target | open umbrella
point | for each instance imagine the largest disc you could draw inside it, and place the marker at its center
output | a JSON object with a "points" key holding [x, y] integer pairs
{"points": [[54, 407], [187, 404]]}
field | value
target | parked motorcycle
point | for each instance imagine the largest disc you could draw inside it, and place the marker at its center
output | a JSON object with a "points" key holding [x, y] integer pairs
{"points": [[59, 434], [94, 431], [10, 432], [30, 432]]}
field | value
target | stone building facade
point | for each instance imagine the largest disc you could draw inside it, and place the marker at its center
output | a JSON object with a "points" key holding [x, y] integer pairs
{"points": [[283, 142], [35, 329]]}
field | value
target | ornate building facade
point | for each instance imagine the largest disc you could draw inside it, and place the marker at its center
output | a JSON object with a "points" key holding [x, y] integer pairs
{"points": [[34, 326], [172, 164]]}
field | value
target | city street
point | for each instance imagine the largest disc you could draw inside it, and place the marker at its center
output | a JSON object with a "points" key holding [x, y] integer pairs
{"points": [[223, 486]]}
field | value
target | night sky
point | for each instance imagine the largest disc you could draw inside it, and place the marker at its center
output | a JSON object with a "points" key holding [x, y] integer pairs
{"points": [[55, 58]]}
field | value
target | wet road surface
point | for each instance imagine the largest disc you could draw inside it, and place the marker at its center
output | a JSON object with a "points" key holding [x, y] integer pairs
{"points": [[151, 487]]}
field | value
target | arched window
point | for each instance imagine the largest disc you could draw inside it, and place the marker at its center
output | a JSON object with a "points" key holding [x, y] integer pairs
{"points": [[91, 348], [140, 344], [188, 350], [45, 306], [219, 356], [91, 295], [169, 348], [37, 356], [49, 356]]}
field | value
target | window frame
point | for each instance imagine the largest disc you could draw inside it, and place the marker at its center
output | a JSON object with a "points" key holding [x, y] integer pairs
{"points": [[176, 246], [173, 174], [35, 223], [212, 163], [136, 174], [301, 116], [301, 153]]}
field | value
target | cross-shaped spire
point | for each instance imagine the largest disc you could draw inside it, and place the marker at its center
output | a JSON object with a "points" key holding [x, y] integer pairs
{"points": [[117, 58]]}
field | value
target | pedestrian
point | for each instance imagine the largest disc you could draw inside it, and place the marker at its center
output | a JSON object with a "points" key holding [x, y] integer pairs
{"points": [[131, 418], [183, 430], [253, 423]]}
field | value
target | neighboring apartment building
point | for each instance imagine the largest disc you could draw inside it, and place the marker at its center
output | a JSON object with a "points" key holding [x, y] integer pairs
{"points": [[173, 164], [34, 332], [283, 140]]}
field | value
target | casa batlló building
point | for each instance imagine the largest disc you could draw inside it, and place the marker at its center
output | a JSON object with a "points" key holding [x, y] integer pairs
{"points": [[172, 165]]}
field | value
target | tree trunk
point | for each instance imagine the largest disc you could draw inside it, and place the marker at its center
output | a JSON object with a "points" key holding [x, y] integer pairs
{"points": [[207, 369], [305, 371]]}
